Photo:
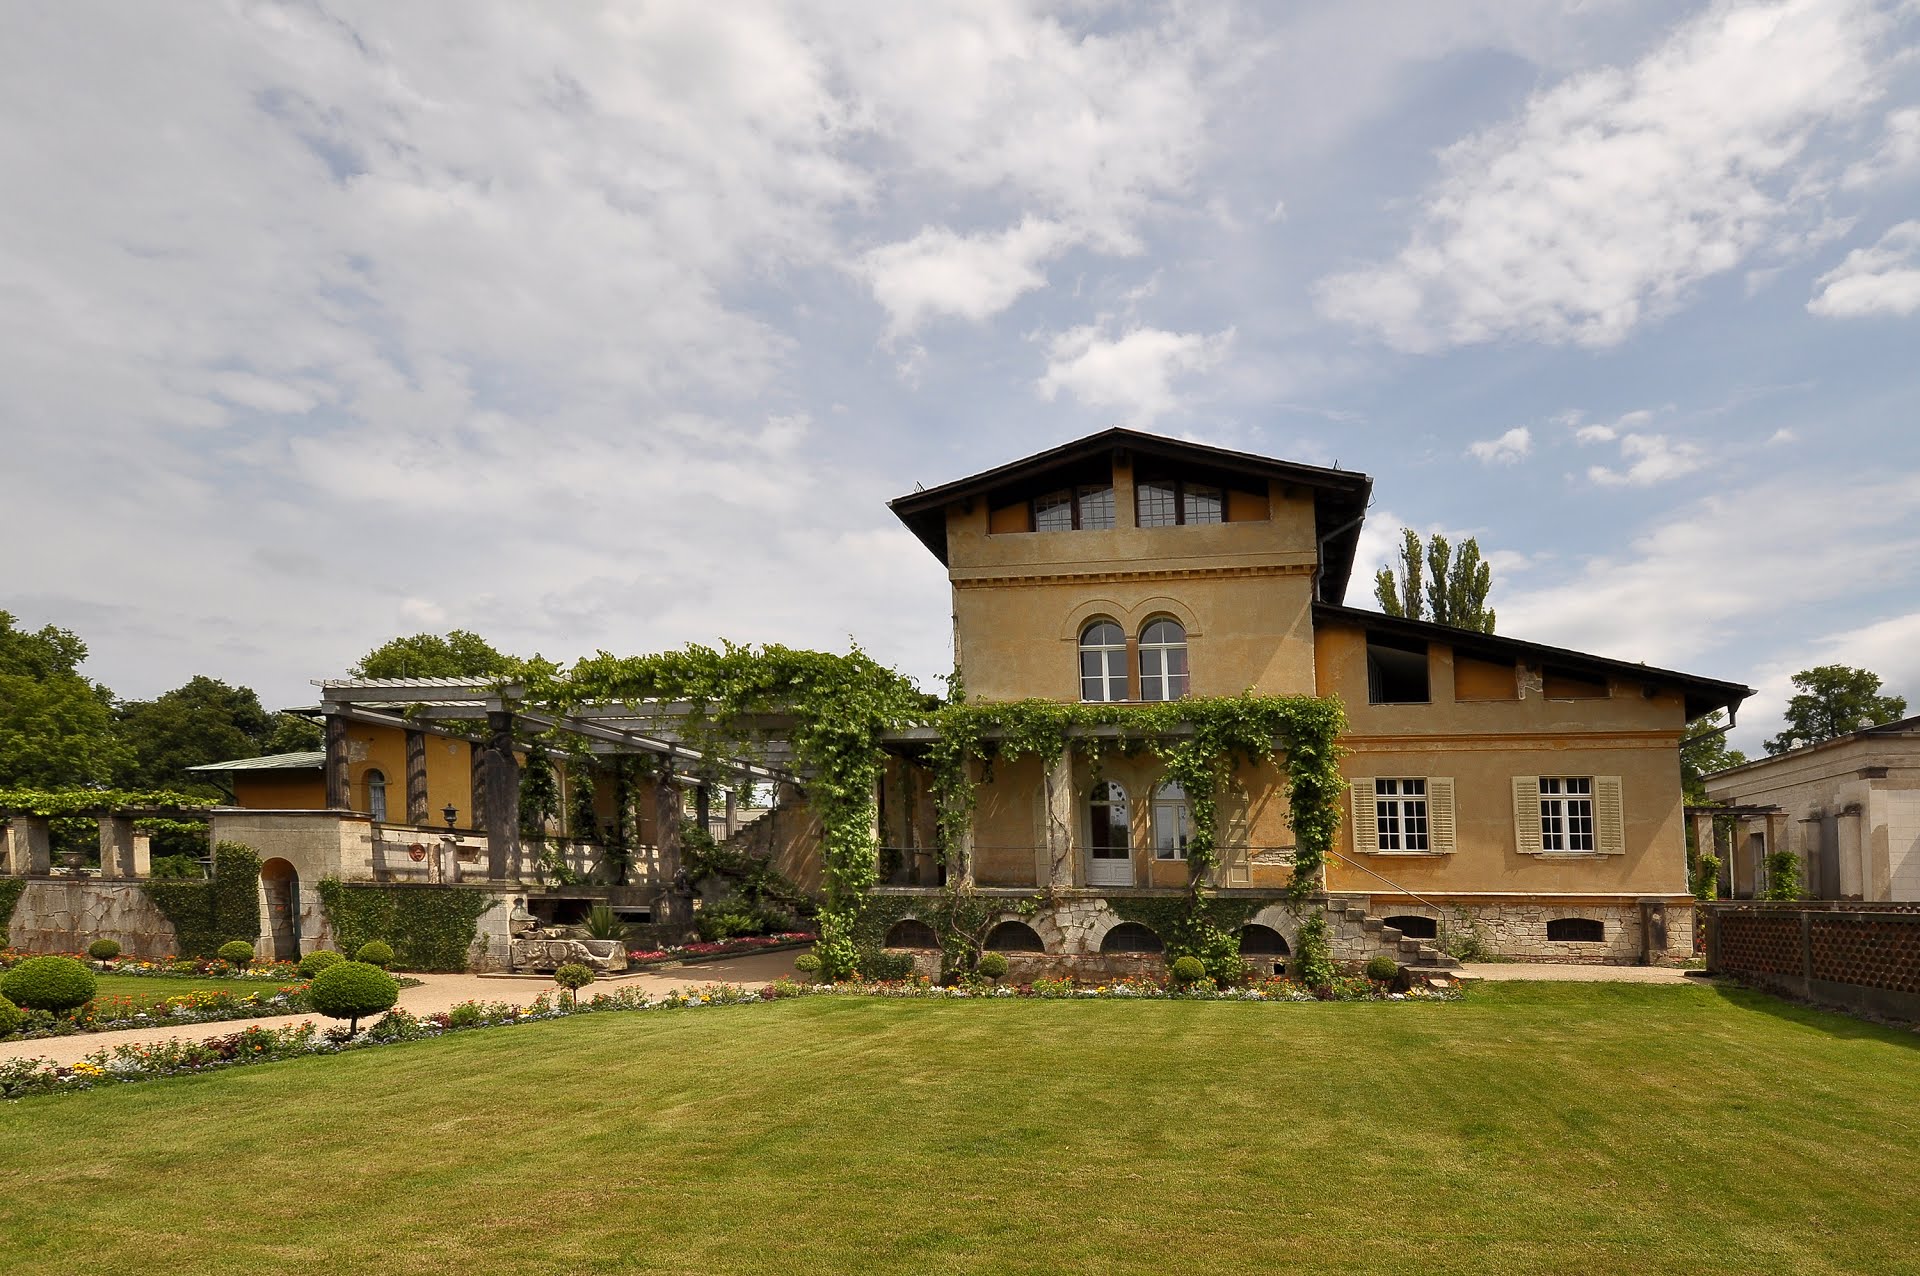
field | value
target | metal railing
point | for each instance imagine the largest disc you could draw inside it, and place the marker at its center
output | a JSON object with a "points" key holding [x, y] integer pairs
{"points": [[1440, 921]]}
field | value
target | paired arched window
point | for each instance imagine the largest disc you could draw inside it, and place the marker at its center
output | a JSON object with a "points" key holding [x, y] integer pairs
{"points": [[377, 796], [1172, 825], [1103, 661], [1163, 660]]}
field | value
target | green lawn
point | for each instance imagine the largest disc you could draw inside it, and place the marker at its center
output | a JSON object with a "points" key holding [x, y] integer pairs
{"points": [[1532, 1128], [156, 988]]}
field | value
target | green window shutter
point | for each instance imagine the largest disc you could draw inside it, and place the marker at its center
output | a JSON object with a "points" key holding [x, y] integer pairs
{"points": [[1609, 816], [1366, 819], [1526, 814], [1440, 836]]}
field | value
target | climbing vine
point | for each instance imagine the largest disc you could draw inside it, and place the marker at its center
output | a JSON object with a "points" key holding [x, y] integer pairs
{"points": [[430, 927], [10, 891], [210, 912]]}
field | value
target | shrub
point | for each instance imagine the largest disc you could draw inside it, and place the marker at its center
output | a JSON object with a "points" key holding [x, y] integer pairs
{"points": [[104, 949], [1471, 946], [993, 965], [807, 963], [352, 989], [1381, 968], [375, 952], [1783, 876], [573, 977], [237, 953], [1188, 970], [315, 962], [52, 984], [602, 922], [886, 967], [9, 1018], [727, 919], [1313, 957]]}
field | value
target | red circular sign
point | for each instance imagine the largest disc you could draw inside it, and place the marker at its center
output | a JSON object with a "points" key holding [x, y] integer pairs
{"points": [[417, 851]]}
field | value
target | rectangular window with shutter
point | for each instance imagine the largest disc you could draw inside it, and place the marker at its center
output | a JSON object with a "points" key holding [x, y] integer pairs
{"points": [[1400, 814], [1569, 815], [1403, 815], [1566, 815]]}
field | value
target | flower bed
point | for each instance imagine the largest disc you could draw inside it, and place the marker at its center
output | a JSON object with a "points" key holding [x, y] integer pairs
{"points": [[172, 967], [112, 1013], [23, 1077], [718, 948]]}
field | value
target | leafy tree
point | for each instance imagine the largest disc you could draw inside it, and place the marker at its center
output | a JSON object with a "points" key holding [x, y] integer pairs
{"points": [[1834, 700], [56, 726], [460, 654], [204, 720], [1703, 751], [292, 734], [1439, 583]]}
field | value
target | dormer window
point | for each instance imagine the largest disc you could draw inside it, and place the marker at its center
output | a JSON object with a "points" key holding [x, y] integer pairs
{"points": [[1176, 502], [1086, 509]]}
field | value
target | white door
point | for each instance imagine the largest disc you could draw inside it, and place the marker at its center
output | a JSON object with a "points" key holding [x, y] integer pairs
{"points": [[1110, 840]]}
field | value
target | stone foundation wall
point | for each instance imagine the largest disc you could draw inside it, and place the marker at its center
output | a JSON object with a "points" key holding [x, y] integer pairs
{"points": [[56, 916], [1518, 930]]}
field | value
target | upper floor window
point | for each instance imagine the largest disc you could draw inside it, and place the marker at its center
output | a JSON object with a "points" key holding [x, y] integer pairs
{"points": [[377, 796], [1566, 813], [1400, 812], [1163, 661], [1088, 508], [1172, 502], [1103, 662], [1396, 670], [1172, 825]]}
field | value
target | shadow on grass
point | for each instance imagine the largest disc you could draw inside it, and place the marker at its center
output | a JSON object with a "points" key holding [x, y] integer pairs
{"points": [[1834, 1023]]}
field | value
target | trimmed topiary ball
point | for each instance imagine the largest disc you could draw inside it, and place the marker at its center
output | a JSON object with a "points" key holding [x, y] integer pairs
{"points": [[1189, 970], [351, 990], [992, 965], [104, 949], [9, 1018], [237, 953], [315, 962], [375, 952], [49, 983], [1381, 968], [807, 963], [573, 977]]}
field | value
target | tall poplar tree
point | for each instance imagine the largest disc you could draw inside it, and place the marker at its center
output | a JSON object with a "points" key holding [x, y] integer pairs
{"points": [[1438, 582]]}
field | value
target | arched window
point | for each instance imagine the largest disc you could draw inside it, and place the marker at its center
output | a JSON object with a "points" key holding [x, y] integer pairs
{"points": [[1163, 661], [1172, 826], [1131, 937], [1014, 937], [377, 796], [1109, 838], [1103, 662], [911, 932], [1262, 941], [1576, 930]]}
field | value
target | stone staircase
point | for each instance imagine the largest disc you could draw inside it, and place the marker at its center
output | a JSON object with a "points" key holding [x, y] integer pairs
{"points": [[1355, 935]]}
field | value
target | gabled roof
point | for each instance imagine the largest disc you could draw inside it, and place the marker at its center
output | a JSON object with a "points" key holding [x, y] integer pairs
{"points": [[1903, 726], [303, 761], [1703, 695], [1340, 496]]}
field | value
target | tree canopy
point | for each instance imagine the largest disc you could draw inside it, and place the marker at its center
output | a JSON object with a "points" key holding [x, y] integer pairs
{"points": [[203, 720], [1703, 751], [459, 654], [1439, 583], [56, 725], [1834, 700]]}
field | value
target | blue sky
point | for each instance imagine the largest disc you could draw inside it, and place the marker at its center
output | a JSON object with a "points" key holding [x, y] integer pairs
{"points": [[615, 327]]}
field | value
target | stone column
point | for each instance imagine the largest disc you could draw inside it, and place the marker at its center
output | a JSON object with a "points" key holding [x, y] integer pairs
{"points": [[116, 846], [30, 838], [417, 812], [339, 792], [676, 894], [960, 867], [478, 756], [501, 798], [733, 812], [142, 854], [1056, 864], [703, 808]]}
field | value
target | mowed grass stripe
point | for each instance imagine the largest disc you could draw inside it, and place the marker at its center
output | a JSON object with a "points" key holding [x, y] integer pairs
{"points": [[1532, 1128]]}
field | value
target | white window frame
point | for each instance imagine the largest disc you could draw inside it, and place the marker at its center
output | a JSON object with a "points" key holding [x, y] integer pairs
{"points": [[1112, 658], [376, 782], [1114, 865], [1568, 820], [1162, 684], [1172, 823], [1401, 823]]}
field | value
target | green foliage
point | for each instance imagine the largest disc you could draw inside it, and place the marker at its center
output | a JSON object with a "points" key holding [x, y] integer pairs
{"points": [[1188, 970], [603, 923], [204, 720], [10, 1018], [431, 928], [539, 794], [1313, 955], [1706, 875], [237, 953], [1470, 945], [104, 949], [62, 802], [375, 952], [1834, 700], [767, 893], [992, 966], [209, 912], [1448, 588], [318, 960], [1703, 751], [352, 990], [293, 734], [175, 867], [53, 984], [1381, 968], [56, 726], [583, 820], [573, 976], [807, 963], [1783, 875], [460, 654], [11, 889]]}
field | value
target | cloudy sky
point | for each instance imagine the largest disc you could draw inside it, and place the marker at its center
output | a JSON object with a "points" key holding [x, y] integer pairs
{"points": [[615, 328]]}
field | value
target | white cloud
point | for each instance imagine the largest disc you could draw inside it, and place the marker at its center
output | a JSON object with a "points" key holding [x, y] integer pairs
{"points": [[1888, 647], [1782, 437], [1896, 157], [1133, 373], [1616, 191], [1655, 458], [1505, 450], [1881, 280], [975, 277]]}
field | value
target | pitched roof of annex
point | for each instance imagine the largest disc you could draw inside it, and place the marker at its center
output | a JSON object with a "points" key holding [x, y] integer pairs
{"points": [[1899, 727], [1340, 496]]}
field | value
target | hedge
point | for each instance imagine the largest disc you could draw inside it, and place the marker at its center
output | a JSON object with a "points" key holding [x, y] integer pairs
{"points": [[10, 889], [210, 912], [430, 927]]}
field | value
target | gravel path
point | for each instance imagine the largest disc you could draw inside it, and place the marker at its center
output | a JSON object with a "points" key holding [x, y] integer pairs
{"points": [[435, 993], [1553, 972]]}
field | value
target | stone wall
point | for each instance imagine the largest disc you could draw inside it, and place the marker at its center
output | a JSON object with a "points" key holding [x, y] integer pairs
{"points": [[1863, 957], [64, 916], [1518, 930]]}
